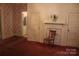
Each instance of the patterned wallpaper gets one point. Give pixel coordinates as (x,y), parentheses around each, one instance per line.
(7,29)
(11,19)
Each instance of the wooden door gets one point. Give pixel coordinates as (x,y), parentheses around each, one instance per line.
(73,33)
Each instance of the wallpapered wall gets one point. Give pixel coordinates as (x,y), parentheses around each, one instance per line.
(11,19)
(6,15)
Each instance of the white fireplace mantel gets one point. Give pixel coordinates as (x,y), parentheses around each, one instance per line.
(54,23)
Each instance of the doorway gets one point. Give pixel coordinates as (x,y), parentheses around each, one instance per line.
(24,23)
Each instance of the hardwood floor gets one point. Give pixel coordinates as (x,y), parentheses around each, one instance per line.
(19,46)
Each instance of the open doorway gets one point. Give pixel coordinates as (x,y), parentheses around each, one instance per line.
(24,23)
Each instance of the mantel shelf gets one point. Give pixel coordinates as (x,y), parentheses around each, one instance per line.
(56,23)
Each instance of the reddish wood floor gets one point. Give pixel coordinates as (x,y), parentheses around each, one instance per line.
(19,46)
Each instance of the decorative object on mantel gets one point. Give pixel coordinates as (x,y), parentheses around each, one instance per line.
(54,21)
(54,17)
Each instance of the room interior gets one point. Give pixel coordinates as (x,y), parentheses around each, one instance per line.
(39,29)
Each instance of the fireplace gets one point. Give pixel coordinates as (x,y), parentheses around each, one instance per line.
(54,32)
(53,36)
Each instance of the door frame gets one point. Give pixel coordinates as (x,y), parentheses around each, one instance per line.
(1,11)
(22,23)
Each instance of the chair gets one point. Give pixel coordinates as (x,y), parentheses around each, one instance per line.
(51,37)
